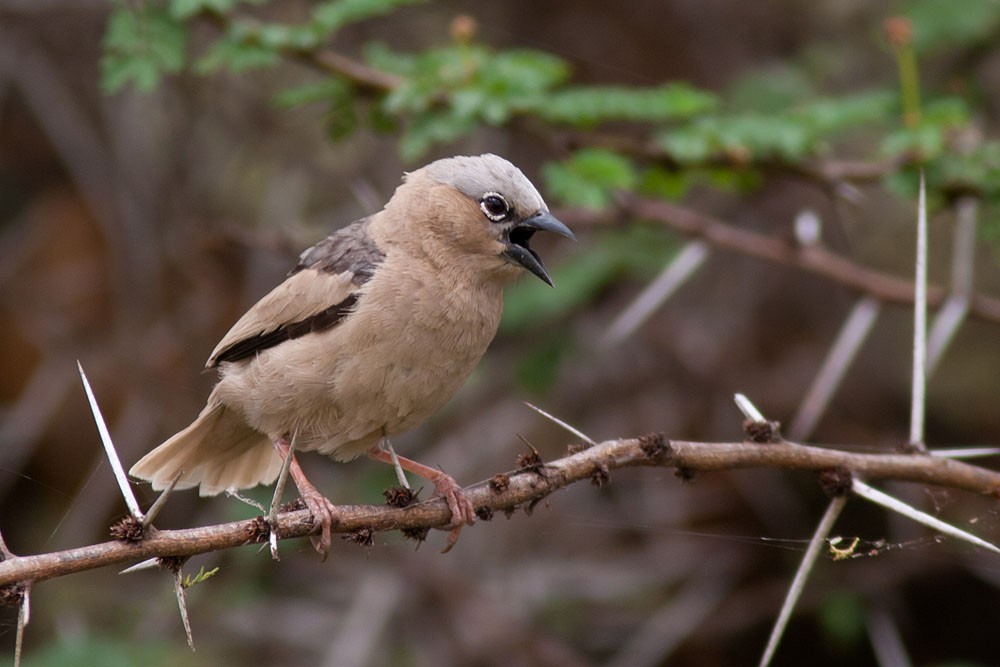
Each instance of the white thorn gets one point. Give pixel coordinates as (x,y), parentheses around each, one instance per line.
(833,511)
(748,409)
(683,265)
(919,382)
(808,227)
(898,506)
(147,564)
(555,420)
(182,605)
(109,448)
(965,452)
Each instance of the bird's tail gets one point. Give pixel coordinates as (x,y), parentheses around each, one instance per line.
(218,451)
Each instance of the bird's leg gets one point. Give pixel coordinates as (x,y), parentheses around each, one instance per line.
(321,508)
(385,445)
(445,486)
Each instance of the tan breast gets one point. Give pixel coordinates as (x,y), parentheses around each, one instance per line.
(408,347)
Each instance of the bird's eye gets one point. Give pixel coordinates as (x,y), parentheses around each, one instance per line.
(494,206)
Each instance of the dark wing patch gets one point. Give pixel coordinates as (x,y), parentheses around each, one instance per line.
(348,249)
(318,322)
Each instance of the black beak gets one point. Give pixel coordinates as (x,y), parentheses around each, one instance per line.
(520,234)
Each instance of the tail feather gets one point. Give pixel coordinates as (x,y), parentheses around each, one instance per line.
(217,451)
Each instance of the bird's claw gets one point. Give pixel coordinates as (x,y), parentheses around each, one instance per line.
(462,511)
(322,511)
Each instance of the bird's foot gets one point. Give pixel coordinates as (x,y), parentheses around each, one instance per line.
(445,486)
(323,512)
(462,511)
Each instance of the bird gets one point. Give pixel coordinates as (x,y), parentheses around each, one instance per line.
(373,331)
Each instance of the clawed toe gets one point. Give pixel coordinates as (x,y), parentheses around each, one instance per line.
(322,512)
(462,511)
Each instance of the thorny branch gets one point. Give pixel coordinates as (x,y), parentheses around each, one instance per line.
(522,488)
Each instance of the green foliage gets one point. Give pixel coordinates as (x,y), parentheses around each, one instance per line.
(794,133)
(88,650)
(939,24)
(140,45)
(538,368)
(635,252)
(201,577)
(532,307)
(680,135)
(590,178)
(842,618)
(447,92)
(185,9)
(589,105)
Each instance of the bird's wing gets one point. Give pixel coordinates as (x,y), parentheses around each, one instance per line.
(320,291)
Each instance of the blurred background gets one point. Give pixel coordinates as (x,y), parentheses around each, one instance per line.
(137,225)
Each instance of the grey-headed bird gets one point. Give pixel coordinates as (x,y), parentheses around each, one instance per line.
(375,328)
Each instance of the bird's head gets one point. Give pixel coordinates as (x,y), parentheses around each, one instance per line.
(479,211)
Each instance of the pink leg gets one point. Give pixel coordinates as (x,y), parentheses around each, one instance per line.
(445,486)
(321,508)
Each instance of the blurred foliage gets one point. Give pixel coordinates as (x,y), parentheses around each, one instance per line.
(842,618)
(107,652)
(670,136)
(938,26)
(447,92)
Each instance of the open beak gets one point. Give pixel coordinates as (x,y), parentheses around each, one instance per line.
(519,235)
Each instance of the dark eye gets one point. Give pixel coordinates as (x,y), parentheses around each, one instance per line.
(494,206)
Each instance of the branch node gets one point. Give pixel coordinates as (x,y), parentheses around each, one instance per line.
(259,530)
(400,496)
(362,536)
(530,462)
(836,482)
(685,474)
(418,534)
(11,595)
(172,563)
(910,448)
(128,529)
(484,513)
(655,447)
(761,432)
(499,483)
(292,506)
(601,475)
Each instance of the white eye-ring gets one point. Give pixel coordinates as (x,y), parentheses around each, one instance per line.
(494,206)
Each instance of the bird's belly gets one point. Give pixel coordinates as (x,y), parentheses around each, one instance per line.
(341,404)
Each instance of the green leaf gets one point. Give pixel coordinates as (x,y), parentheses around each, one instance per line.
(327,90)
(335,14)
(430,129)
(185,9)
(690,144)
(771,89)
(827,116)
(589,178)
(239,50)
(938,24)
(657,182)
(140,45)
(589,105)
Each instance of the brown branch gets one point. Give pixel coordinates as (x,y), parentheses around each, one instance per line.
(523,488)
(813,259)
